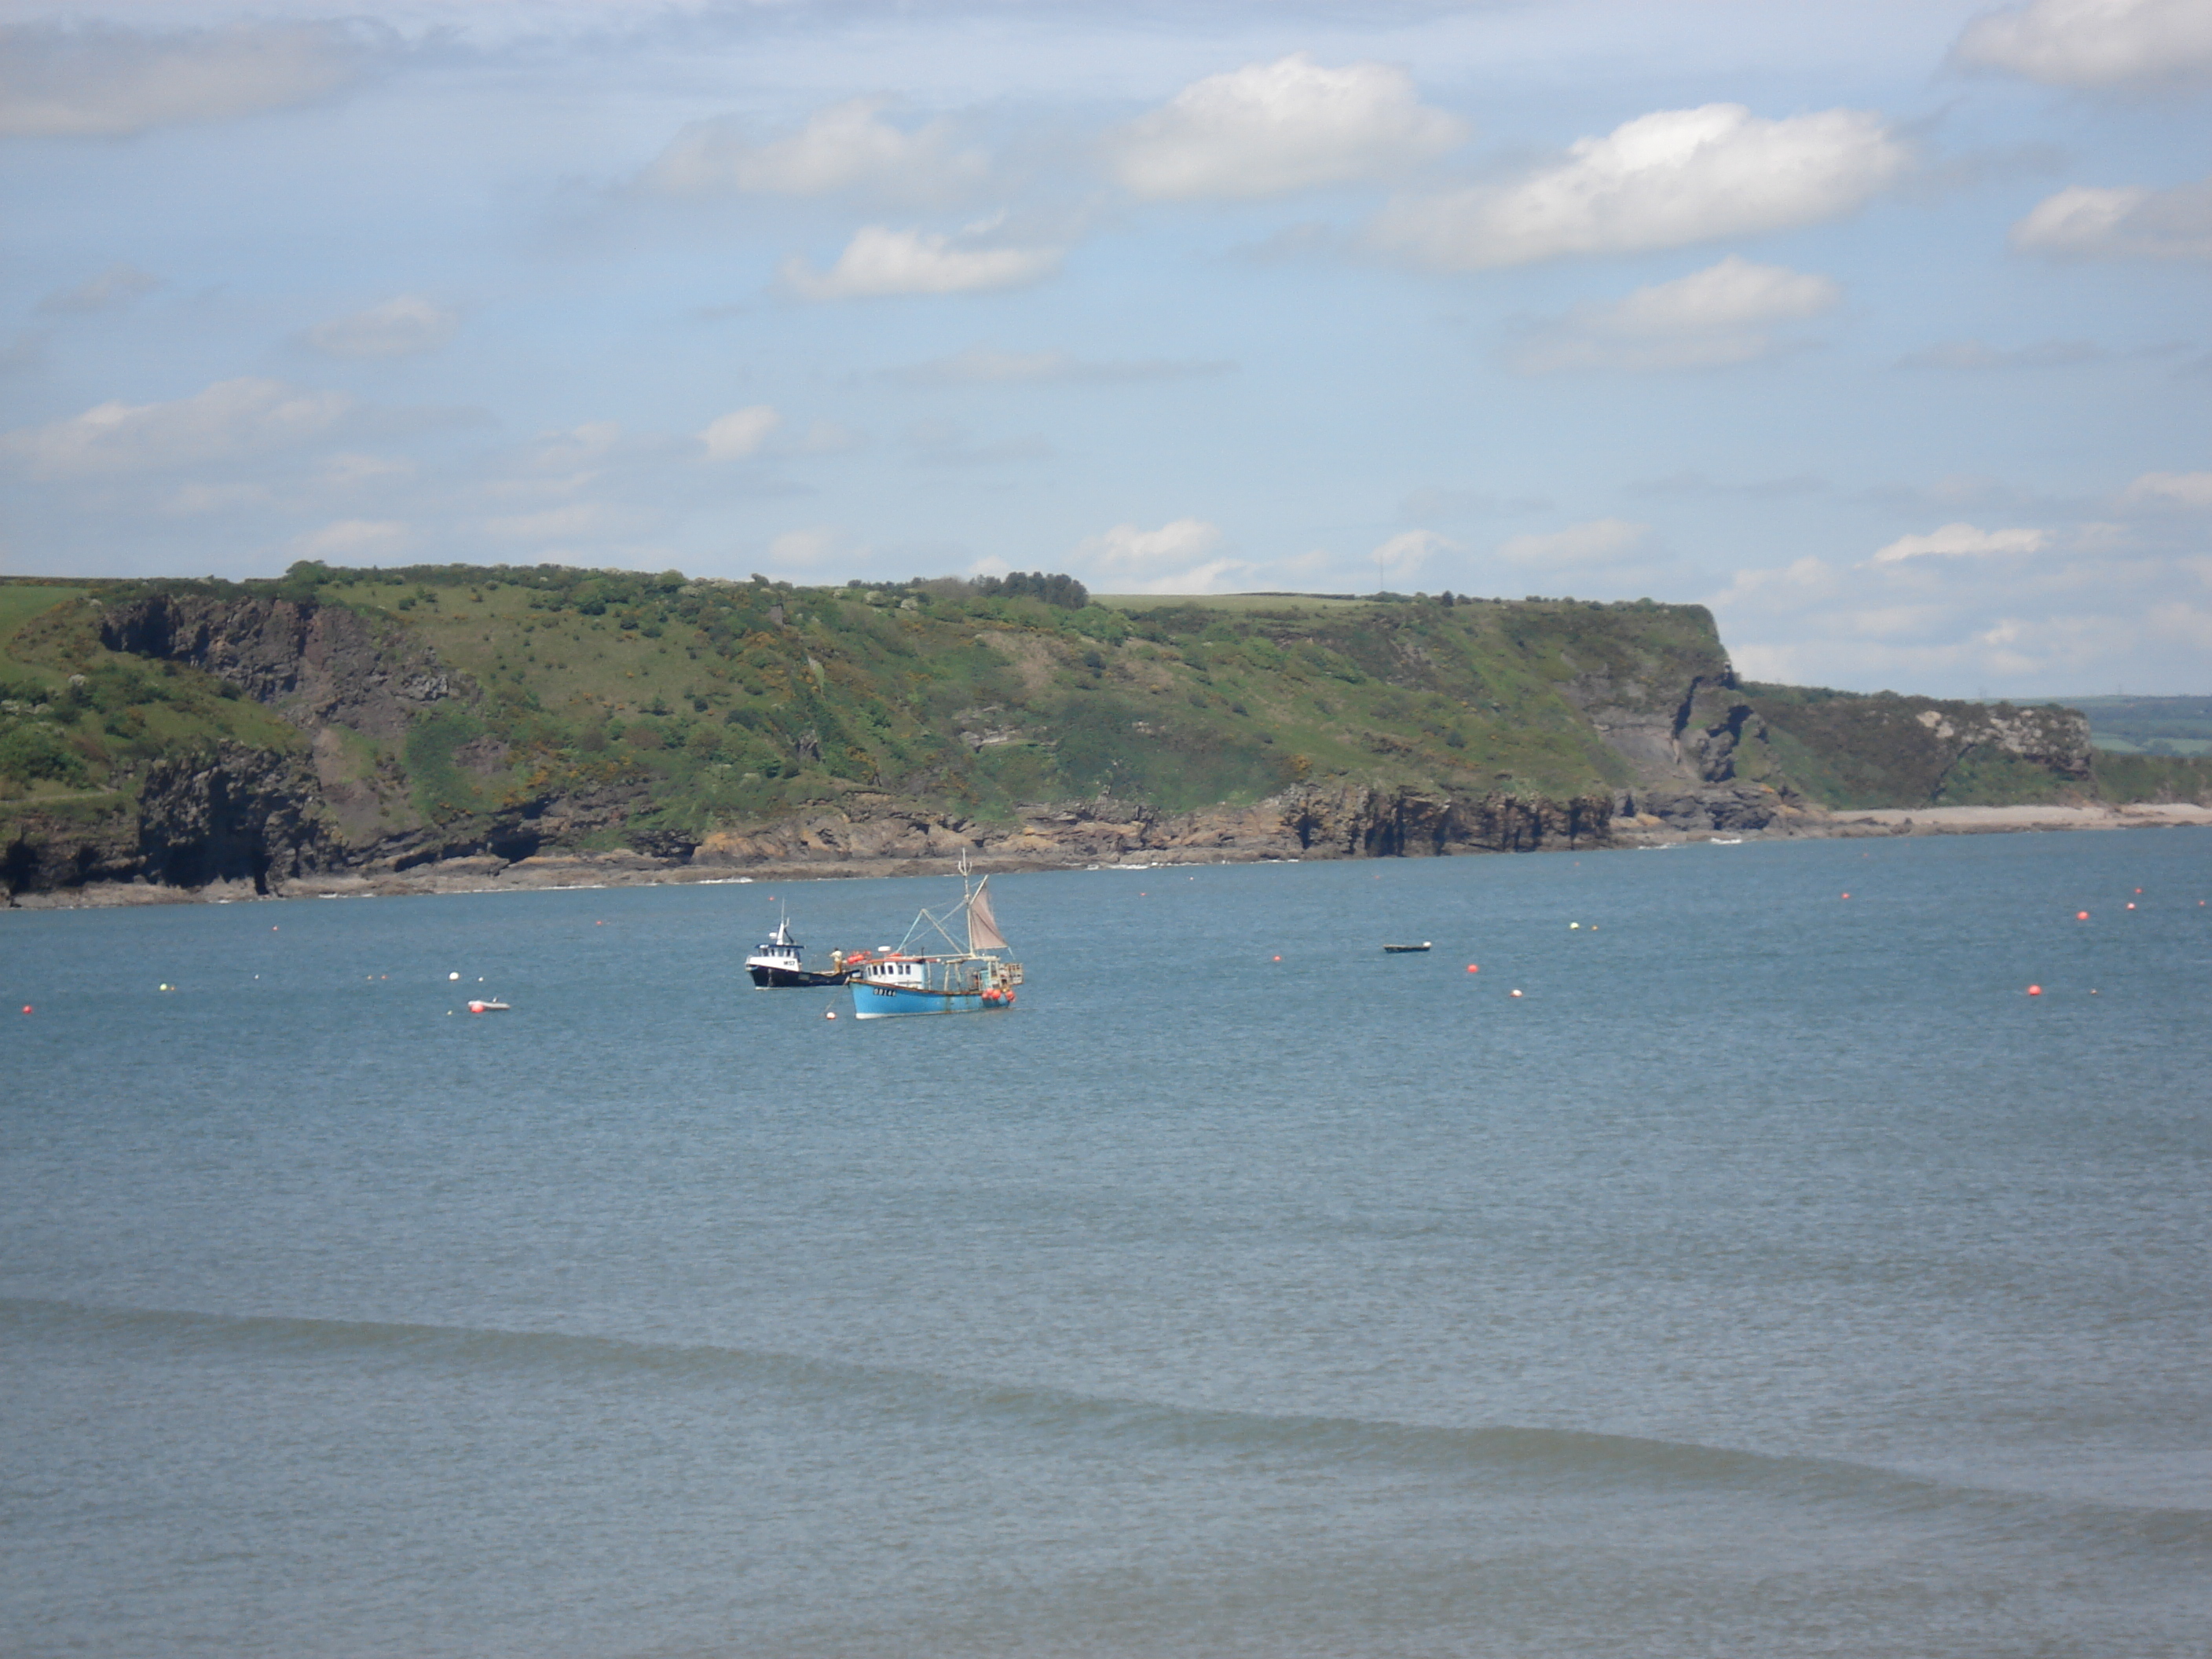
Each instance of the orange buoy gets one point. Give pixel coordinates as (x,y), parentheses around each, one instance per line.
(1847,896)
(1279,958)
(26,1007)
(1472,968)
(2081,916)
(2035,990)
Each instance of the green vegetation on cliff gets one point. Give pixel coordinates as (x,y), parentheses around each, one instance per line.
(740,699)
(1848,750)
(412,714)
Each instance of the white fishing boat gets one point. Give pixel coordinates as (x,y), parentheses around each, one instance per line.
(783,962)
(967,977)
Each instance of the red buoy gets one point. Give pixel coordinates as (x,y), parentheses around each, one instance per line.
(26,1007)
(2035,990)
(1472,968)
(2081,916)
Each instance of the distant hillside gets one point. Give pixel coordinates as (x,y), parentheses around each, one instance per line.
(2148,725)
(1847,750)
(341,720)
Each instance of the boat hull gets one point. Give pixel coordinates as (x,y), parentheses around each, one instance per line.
(766,978)
(897,1001)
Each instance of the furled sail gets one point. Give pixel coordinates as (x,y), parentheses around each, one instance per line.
(983,933)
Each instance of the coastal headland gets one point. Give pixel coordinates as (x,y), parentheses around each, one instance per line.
(460,728)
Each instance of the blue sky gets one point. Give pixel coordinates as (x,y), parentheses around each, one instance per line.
(1880,329)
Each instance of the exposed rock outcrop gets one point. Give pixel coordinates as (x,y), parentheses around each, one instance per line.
(1352,822)
(53,849)
(1684,743)
(1349,821)
(238,814)
(316,665)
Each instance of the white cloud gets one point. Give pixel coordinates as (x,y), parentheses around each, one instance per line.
(847,147)
(230,418)
(1400,559)
(97,81)
(406,326)
(1962,540)
(1580,546)
(116,286)
(1182,556)
(2052,625)
(880,261)
(2127,221)
(1667,180)
(2169,489)
(740,433)
(351,539)
(1269,129)
(1714,317)
(2092,43)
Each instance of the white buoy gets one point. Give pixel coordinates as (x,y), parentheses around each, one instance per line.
(453,976)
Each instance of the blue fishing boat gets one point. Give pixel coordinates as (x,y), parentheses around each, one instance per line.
(967,977)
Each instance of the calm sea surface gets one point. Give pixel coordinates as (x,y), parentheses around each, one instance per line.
(1773,1278)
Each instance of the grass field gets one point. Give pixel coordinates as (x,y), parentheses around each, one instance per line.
(1280,605)
(19,601)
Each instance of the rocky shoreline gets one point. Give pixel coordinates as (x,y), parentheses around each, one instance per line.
(835,847)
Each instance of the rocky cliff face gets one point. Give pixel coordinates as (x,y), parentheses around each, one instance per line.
(1344,821)
(316,665)
(238,814)
(1698,749)
(1355,821)
(45,849)
(228,814)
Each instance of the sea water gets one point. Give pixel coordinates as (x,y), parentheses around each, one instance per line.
(1773,1276)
